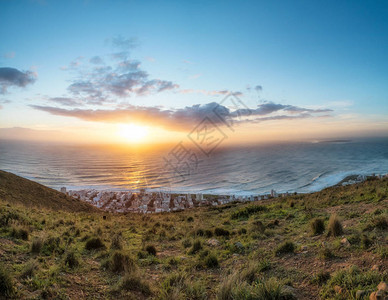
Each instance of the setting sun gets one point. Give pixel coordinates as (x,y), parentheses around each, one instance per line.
(132,133)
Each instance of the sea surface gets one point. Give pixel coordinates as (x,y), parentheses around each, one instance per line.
(300,167)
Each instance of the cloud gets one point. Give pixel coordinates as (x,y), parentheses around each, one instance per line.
(9,55)
(96,60)
(11,77)
(65,101)
(73,64)
(208,93)
(124,43)
(258,88)
(185,118)
(102,84)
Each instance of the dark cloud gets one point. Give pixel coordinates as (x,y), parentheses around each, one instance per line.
(258,88)
(184,118)
(11,77)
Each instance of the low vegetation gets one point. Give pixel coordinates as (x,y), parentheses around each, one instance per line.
(329,245)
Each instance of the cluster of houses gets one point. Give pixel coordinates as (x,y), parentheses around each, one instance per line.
(155,202)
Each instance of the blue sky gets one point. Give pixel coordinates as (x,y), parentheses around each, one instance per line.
(310,54)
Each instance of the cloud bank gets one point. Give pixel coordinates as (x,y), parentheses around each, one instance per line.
(11,77)
(186,118)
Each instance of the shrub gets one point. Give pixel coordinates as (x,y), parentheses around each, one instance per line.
(151,250)
(51,245)
(7,289)
(211,261)
(19,233)
(174,285)
(232,289)
(317,226)
(71,260)
(186,243)
(366,242)
(196,247)
(221,232)
(36,245)
(200,232)
(326,253)
(335,227)
(120,262)
(29,269)
(380,222)
(133,282)
(351,280)
(246,212)
(286,247)
(190,219)
(242,231)
(142,255)
(208,233)
(264,265)
(116,242)
(94,244)
(321,278)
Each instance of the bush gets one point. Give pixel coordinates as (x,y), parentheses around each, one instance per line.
(19,233)
(186,243)
(366,242)
(221,232)
(286,247)
(200,232)
(321,278)
(94,244)
(379,223)
(133,282)
(71,260)
(7,289)
(36,245)
(190,219)
(211,261)
(29,269)
(242,231)
(208,233)
(151,250)
(351,280)
(317,226)
(326,253)
(232,288)
(116,242)
(196,247)
(51,245)
(246,212)
(335,227)
(120,262)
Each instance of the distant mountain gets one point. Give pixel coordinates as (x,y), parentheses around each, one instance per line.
(18,190)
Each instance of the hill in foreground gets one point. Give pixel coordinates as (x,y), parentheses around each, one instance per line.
(331,244)
(18,190)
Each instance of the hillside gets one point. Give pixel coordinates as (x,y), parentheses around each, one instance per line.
(18,190)
(331,244)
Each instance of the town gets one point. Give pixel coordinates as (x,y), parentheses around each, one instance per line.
(156,202)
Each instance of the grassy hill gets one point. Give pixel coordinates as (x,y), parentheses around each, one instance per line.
(18,190)
(331,244)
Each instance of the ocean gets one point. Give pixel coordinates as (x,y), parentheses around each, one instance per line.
(245,170)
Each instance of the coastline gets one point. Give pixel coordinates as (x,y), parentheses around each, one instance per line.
(149,201)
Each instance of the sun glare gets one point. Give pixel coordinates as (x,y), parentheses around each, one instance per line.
(132,133)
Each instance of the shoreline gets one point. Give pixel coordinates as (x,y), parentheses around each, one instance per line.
(148,201)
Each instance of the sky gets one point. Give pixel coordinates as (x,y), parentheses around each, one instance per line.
(141,72)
